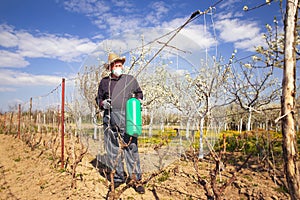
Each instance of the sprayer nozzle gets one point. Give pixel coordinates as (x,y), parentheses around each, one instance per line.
(197,12)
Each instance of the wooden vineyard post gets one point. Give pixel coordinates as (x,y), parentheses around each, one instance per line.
(19,122)
(288,102)
(30,111)
(4,123)
(62,121)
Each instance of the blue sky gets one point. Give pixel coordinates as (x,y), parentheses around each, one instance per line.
(42,41)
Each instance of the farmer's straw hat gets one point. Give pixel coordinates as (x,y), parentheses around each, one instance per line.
(112,57)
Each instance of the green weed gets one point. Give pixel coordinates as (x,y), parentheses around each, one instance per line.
(165,175)
(17,159)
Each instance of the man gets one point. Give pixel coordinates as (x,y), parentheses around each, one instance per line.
(113,93)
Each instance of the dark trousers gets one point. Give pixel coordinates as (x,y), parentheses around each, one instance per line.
(122,147)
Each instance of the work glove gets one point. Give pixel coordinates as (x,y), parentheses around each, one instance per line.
(106,104)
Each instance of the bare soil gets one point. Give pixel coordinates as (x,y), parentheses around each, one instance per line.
(31,174)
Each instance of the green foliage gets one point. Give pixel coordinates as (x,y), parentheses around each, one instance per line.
(158,136)
(62,170)
(152,140)
(248,177)
(50,158)
(17,159)
(254,141)
(164,176)
(282,189)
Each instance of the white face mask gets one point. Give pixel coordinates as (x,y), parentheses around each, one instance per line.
(117,71)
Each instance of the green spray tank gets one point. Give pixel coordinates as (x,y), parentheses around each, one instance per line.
(133,117)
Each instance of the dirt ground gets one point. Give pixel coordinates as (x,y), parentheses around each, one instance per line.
(27,174)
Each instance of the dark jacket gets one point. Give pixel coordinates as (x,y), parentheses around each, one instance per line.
(119,90)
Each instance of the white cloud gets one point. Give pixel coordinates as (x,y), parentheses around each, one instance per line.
(88,7)
(11,59)
(7,89)
(51,46)
(195,36)
(24,45)
(244,34)
(116,16)
(7,37)
(229,4)
(122,4)
(15,78)
(250,44)
(117,24)
(159,9)
(106,15)
(234,30)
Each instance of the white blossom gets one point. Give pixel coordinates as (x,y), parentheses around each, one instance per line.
(248,65)
(254,58)
(269,27)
